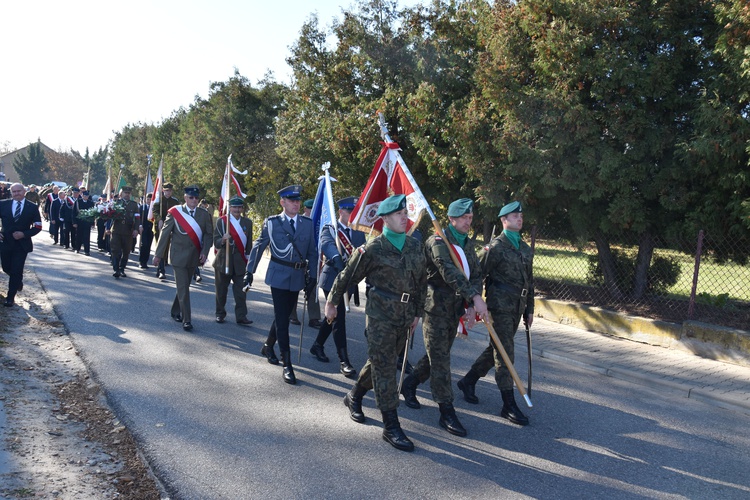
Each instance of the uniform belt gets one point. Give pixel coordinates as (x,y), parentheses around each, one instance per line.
(295,265)
(445,289)
(404,297)
(523,292)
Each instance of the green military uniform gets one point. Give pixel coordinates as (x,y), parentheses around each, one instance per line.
(237,265)
(121,234)
(161,208)
(397,295)
(509,293)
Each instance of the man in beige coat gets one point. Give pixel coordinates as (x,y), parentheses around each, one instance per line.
(188,230)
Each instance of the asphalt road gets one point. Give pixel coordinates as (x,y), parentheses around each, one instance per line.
(215,420)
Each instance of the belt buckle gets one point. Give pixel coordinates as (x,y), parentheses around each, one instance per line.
(298,265)
(524,292)
(405,297)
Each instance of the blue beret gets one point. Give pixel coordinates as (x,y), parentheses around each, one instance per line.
(392,204)
(510,208)
(291,192)
(460,207)
(236,201)
(347,203)
(308,203)
(192,191)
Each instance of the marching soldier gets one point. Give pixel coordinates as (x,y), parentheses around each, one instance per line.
(83,227)
(190,229)
(451,292)
(238,232)
(337,252)
(394,264)
(509,283)
(122,231)
(292,241)
(147,234)
(161,208)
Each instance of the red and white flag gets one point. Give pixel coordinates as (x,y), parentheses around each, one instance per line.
(230,184)
(156,193)
(390,176)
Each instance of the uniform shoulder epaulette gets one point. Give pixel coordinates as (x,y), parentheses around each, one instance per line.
(305,217)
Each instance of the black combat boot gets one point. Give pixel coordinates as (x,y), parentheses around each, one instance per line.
(409,391)
(449,420)
(317,351)
(286,360)
(347,370)
(270,355)
(467,384)
(392,432)
(353,401)
(510,410)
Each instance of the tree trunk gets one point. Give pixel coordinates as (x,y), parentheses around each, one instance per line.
(645,253)
(608,266)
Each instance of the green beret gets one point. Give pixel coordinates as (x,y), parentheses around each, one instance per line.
(124,189)
(308,203)
(236,201)
(392,204)
(460,207)
(510,208)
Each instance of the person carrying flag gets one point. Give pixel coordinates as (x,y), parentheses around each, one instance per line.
(187,233)
(452,293)
(237,231)
(395,265)
(337,251)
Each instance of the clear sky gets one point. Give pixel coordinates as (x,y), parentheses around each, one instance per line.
(75,71)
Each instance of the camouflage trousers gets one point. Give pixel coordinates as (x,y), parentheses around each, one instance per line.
(385,340)
(439,334)
(506,326)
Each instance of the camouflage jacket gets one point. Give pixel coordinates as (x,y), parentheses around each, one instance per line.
(398,279)
(509,279)
(449,288)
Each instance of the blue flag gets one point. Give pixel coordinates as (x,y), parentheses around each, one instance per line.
(322,215)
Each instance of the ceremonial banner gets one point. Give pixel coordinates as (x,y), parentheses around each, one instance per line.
(156,193)
(322,213)
(230,181)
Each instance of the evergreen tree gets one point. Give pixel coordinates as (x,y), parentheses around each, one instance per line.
(32,168)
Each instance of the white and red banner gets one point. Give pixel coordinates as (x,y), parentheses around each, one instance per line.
(230,184)
(390,176)
(156,193)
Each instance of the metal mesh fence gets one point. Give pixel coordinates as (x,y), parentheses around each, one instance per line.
(676,287)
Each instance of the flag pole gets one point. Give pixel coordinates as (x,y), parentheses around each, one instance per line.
(456,261)
(225,209)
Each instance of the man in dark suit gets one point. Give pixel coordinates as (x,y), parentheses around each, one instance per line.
(66,221)
(147,234)
(54,216)
(190,230)
(20,222)
(337,244)
(82,226)
(293,255)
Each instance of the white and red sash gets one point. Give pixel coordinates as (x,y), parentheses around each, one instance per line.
(346,243)
(461,330)
(238,235)
(188,225)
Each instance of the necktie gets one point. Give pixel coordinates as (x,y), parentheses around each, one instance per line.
(291,223)
(17,213)
(192,213)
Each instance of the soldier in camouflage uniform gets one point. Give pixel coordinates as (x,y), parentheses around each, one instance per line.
(450,295)
(122,231)
(394,264)
(507,265)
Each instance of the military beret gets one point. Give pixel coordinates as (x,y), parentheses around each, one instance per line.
(308,203)
(290,192)
(392,204)
(192,191)
(168,185)
(347,203)
(460,207)
(236,201)
(124,189)
(510,208)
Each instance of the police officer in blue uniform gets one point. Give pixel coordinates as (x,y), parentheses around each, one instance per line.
(336,252)
(293,256)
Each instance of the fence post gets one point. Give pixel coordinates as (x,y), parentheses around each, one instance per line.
(533,238)
(698,251)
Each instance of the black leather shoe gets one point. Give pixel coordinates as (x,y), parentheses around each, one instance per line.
(315,323)
(8,303)
(347,370)
(286,359)
(144,267)
(177,318)
(219,319)
(267,351)
(122,273)
(409,391)
(317,351)
(116,274)
(393,434)
(510,410)
(449,420)
(187,326)
(353,401)
(246,322)
(293,321)
(467,387)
